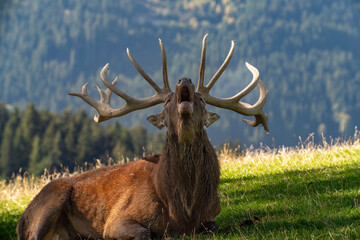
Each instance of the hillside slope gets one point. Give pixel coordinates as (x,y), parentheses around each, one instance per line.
(307,54)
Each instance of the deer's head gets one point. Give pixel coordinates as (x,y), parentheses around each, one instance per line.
(184,110)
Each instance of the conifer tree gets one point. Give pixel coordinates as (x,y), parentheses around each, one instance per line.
(69,143)
(4,116)
(7,153)
(35,156)
(47,145)
(126,142)
(30,125)
(56,150)
(83,147)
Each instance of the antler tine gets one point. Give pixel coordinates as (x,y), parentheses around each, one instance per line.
(101,106)
(84,96)
(142,72)
(201,87)
(164,64)
(254,82)
(222,68)
(111,86)
(202,65)
(105,96)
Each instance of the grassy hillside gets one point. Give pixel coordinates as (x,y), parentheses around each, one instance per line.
(308,192)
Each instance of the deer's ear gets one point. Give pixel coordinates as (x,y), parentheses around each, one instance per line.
(157,120)
(211,118)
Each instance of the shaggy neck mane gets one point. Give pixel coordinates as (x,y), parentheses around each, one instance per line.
(186,177)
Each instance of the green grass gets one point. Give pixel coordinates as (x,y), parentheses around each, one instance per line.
(309,192)
(9,215)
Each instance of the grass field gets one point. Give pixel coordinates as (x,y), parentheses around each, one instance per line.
(308,192)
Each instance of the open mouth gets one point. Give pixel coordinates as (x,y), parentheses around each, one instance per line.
(184,95)
(185,100)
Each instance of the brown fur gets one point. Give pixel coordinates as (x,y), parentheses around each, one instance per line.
(167,194)
(190,194)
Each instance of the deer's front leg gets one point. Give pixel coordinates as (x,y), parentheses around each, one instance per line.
(126,229)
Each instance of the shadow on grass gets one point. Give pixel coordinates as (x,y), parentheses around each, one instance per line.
(310,200)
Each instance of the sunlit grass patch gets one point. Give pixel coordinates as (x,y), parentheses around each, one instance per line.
(15,195)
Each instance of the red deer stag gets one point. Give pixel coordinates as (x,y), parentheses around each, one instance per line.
(172,193)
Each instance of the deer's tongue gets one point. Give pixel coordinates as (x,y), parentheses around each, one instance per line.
(185,108)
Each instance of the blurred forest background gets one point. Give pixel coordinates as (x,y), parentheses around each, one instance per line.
(307,52)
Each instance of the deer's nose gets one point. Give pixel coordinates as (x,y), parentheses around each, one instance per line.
(185,90)
(184,81)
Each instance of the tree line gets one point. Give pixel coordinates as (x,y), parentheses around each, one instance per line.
(33,139)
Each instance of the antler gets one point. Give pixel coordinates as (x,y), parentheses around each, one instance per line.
(105,111)
(234,103)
